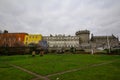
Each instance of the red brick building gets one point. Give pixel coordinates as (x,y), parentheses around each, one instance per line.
(12,39)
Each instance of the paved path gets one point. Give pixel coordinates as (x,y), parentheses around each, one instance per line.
(78,69)
(35,74)
(59,73)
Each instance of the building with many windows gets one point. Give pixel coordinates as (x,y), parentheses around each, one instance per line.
(62,41)
(80,40)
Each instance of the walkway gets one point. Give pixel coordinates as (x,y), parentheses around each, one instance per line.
(59,73)
(30,72)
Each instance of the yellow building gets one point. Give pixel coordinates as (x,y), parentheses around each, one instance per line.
(32,38)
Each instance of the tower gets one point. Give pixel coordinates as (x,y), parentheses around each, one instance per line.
(83,36)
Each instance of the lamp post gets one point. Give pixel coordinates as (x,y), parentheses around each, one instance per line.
(108,44)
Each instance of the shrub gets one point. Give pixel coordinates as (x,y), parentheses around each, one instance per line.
(115,51)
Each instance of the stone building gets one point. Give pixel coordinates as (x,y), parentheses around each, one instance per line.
(104,42)
(84,38)
(81,40)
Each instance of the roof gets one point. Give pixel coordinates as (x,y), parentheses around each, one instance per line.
(82,32)
(15,33)
(103,37)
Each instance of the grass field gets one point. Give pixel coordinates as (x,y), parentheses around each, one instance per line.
(57,63)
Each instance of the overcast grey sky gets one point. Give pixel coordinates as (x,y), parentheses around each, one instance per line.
(101,17)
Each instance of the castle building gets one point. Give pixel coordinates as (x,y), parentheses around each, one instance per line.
(32,38)
(84,38)
(104,41)
(80,40)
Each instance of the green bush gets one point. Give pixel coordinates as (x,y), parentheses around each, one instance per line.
(14,50)
(112,51)
(115,51)
(72,50)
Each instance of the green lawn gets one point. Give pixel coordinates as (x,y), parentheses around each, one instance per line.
(53,63)
(9,73)
(103,72)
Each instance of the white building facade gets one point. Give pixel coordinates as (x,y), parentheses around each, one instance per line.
(62,41)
